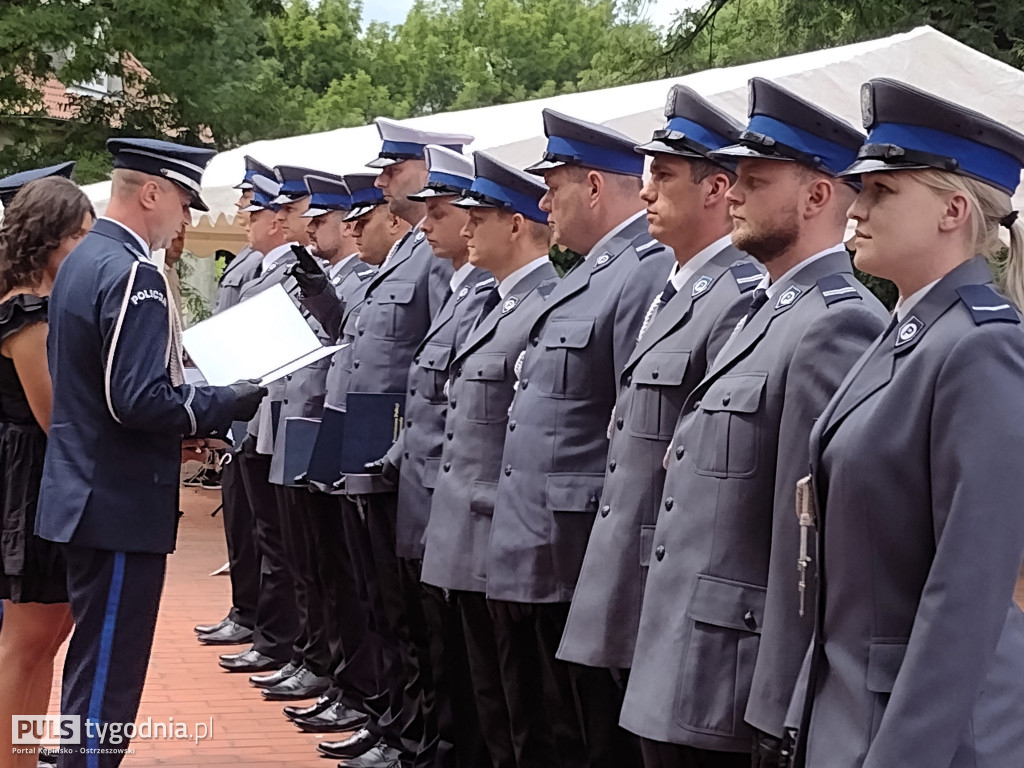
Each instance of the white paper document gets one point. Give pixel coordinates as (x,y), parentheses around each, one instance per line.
(263,338)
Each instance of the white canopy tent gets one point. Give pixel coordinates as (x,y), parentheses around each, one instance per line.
(514,132)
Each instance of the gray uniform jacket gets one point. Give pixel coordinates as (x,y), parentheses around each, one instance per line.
(720,636)
(417,452)
(459,530)
(670,360)
(919,656)
(304,391)
(387,319)
(241,270)
(556,444)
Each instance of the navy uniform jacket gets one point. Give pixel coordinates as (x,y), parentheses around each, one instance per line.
(302,393)
(556,445)
(389,316)
(240,271)
(670,359)
(482,383)
(417,453)
(920,647)
(110,480)
(721,639)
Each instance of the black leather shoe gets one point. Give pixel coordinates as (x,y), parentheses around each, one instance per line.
(230,634)
(337,718)
(206,629)
(381,756)
(292,712)
(235,655)
(359,743)
(251,661)
(266,681)
(304,684)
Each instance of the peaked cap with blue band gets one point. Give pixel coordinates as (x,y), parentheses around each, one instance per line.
(365,194)
(695,127)
(587,145)
(9,185)
(253,167)
(264,193)
(327,192)
(501,186)
(910,129)
(292,179)
(175,162)
(448,173)
(400,142)
(783,126)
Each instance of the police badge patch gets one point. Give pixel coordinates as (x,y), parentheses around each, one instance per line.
(788,297)
(463,293)
(908,330)
(702,284)
(509,305)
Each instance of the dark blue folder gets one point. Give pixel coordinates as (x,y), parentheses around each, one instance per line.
(325,459)
(299,438)
(372,425)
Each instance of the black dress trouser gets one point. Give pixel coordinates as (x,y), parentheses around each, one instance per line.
(239,528)
(562,714)
(277,622)
(658,754)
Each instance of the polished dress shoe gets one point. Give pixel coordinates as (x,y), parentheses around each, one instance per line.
(381,756)
(359,743)
(266,681)
(304,684)
(230,634)
(318,706)
(205,629)
(250,661)
(337,718)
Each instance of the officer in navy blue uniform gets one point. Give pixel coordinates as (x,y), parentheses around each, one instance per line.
(9,185)
(109,491)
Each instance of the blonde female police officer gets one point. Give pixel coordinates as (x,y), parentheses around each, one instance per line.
(918,657)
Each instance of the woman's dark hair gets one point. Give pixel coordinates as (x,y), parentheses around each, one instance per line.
(43,213)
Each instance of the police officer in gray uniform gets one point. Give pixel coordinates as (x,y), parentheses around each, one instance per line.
(721,637)
(451,735)
(244,571)
(556,445)
(302,396)
(683,331)
(918,653)
(276,619)
(508,235)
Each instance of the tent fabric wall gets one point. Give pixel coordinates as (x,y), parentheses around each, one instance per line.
(514,132)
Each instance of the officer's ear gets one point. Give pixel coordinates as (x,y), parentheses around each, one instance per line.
(820,193)
(149,193)
(595,185)
(956,212)
(518,228)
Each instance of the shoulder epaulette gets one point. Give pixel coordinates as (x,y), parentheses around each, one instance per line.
(836,288)
(648,248)
(484,285)
(987,306)
(362,274)
(746,275)
(547,286)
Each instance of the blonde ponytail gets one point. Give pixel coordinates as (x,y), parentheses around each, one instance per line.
(990,207)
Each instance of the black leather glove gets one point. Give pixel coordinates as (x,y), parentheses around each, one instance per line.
(248,395)
(307,273)
(768,752)
(388,472)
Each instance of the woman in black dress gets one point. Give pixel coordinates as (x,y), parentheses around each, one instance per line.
(44,221)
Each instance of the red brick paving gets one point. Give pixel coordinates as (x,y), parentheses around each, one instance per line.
(184,681)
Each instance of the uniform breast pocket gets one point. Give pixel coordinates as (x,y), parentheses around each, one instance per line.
(393,320)
(726,430)
(885,657)
(487,391)
(563,368)
(657,394)
(433,362)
